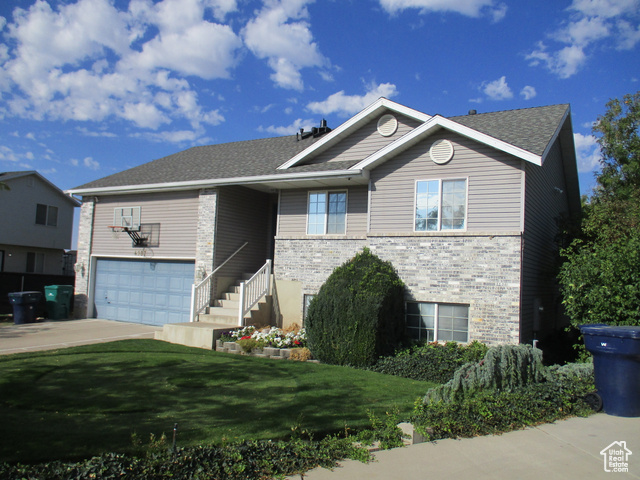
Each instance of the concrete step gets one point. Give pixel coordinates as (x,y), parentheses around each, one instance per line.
(193,334)
(229,304)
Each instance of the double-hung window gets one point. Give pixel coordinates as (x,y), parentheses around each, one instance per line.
(441,205)
(438,322)
(327,213)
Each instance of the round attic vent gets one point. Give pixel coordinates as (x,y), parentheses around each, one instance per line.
(441,151)
(387,125)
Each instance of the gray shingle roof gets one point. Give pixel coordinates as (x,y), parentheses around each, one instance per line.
(210,162)
(530,129)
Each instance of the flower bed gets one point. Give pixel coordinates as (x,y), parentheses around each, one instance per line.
(267,337)
(269,342)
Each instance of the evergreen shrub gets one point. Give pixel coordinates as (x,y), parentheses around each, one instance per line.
(358,314)
(503,368)
(431,362)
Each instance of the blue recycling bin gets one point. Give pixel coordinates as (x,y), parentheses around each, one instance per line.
(616,365)
(24,306)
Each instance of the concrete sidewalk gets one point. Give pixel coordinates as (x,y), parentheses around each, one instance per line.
(568,449)
(49,335)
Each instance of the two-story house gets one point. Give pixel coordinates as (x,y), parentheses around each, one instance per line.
(464,207)
(37,225)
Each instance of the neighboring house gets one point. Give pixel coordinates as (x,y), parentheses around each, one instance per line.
(37,220)
(465,208)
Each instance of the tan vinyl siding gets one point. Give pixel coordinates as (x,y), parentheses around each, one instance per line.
(546,201)
(293,211)
(175,212)
(494,185)
(365,141)
(243,216)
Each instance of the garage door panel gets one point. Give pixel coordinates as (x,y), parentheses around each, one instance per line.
(152,292)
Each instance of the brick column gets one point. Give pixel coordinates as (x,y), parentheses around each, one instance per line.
(83,261)
(205,242)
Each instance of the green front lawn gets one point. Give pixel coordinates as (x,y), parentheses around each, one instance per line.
(85,400)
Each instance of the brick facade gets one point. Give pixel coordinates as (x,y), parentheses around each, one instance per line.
(482,271)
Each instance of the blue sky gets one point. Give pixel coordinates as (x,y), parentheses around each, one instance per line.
(92,87)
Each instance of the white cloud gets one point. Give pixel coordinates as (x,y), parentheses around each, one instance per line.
(591,25)
(565,62)
(470,8)
(497,89)
(528,92)
(91,163)
(347,105)
(289,129)
(605,8)
(280,34)
(587,151)
(89,60)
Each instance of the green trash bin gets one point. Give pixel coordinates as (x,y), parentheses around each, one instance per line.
(58,299)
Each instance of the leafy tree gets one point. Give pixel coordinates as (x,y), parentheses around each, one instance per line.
(600,280)
(358,314)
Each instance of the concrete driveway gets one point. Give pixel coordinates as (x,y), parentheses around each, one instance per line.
(50,335)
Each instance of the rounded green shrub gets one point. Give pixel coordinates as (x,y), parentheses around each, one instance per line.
(358,314)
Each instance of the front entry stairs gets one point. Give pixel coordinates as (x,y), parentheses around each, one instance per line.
(215,320)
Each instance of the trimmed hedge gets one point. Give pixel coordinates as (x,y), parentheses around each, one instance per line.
(241,461)
(358,314)
(431,362)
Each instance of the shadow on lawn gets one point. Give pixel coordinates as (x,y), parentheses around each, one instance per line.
(78,404)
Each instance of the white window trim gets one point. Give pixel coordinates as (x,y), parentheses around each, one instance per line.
(326,216)
(440,180)
(436,318)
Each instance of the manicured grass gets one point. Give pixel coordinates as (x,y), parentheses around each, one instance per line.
(85,400)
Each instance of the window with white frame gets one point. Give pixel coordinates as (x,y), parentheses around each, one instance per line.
(438,322)
(441,205)
(327,213)
(46,215)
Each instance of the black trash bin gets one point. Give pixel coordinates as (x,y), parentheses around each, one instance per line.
(616,365)
(24,306)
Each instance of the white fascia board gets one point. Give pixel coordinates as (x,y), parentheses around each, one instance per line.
(352,124)
(433,124)
(197,184)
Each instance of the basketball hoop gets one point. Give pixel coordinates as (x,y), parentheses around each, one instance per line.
(137,240)
(116,230)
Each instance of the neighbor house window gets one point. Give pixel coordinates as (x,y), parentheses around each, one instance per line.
(438,322)
(327,213)
(46,215)
(35,262)
(441,205)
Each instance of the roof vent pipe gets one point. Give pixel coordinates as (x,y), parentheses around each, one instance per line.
(472,112)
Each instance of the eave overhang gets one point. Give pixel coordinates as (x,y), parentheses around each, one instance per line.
(263,182)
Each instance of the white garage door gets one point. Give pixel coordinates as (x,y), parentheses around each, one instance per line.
(143,291)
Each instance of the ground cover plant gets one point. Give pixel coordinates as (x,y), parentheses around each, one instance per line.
(78,402)
(509,388)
